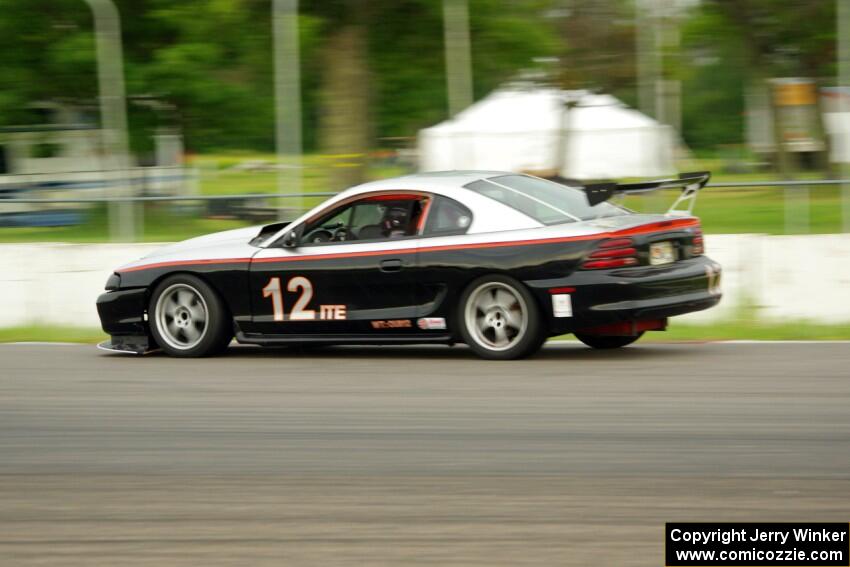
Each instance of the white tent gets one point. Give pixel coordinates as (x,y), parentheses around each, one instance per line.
(534,130)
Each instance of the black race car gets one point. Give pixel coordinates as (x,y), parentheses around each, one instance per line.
(499,261)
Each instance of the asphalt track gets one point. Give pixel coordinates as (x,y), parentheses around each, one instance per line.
(411,456)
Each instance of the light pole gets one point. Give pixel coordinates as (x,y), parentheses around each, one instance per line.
(113,113)
(287,73)
(458,54)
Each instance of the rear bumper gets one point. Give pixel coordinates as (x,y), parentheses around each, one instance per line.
(632,294)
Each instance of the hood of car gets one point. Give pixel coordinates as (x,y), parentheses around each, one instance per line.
(226,244)
(214,240)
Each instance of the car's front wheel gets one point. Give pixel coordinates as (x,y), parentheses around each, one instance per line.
(499,319)
(607,341)
(187,318)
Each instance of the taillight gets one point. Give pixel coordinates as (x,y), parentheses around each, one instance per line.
(614,253)
(603,264)
(697,244)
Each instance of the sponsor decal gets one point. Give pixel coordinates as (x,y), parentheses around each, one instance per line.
(431,323)
(332,312)
(562,305)
(392,324)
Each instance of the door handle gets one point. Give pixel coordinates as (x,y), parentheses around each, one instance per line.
(393,265)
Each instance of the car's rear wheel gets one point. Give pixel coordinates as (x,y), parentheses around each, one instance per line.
(607,342)
(499,319)
(188,319)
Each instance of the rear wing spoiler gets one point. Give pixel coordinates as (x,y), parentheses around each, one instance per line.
(690,184)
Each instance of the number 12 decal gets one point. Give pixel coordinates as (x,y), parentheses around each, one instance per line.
(273,290)
(299,312)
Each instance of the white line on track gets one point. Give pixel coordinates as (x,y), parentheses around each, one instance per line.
(558,342)
(781,342)
(718,342)
(45,343)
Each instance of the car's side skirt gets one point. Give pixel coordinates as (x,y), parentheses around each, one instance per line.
(339,339)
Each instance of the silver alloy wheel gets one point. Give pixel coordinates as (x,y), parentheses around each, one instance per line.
(181,316)
(496,316)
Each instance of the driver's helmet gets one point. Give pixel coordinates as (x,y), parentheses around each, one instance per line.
(395,221)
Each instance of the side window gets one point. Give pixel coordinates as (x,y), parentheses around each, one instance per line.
(378,217)
(447,217)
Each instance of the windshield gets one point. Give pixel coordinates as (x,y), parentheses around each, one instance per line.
(544,201)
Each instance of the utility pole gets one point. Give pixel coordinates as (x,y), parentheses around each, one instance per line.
(648,62)
(668,90)
(458,54)
(842,8)
(113,114)
(657,23)
(287,73)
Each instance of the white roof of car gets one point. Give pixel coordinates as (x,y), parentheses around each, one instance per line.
(429,181)
(488,215)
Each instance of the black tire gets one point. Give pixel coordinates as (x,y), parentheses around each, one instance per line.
(529,335)
(213,335)
(607,342)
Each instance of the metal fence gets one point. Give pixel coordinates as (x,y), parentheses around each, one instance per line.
(798,196)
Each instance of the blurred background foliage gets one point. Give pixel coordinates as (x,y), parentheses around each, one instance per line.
(729,44)
(205,65)
(208,62)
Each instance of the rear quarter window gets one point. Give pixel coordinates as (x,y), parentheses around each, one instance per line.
(544,201)
(447,217)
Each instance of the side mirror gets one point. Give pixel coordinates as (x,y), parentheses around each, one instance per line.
(291,238)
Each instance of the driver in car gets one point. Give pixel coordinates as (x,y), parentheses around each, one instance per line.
(396,222)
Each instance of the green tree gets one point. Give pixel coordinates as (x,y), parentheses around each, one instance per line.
(728,46)
(384,65)
(597,46)
(206,65)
